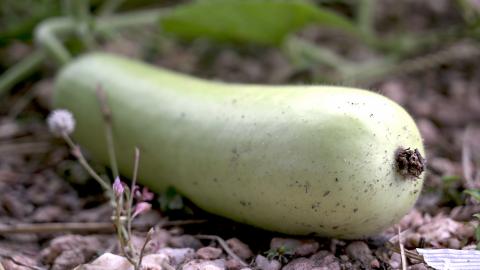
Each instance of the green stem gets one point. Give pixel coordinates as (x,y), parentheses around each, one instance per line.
(50,32)
(107,119)
(21,70)
(109,7)
(365,16)
(306,54)
(377,70)
(83,21)
(81,159)
(132,192)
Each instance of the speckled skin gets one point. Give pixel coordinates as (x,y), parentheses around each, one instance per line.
(293,159)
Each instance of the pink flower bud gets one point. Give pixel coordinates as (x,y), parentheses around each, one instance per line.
(118,188)
(140,208)
(146,194)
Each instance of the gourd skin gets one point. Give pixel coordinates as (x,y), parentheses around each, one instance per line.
(293,159)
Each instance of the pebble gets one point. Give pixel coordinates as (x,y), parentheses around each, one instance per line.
(325,259)
(178,255)
(299,247)
(205,265)
(395,261)
(185,241)
(233,264)
(263,263)
(239,248)
(300,264)
(360,251)
(209,253)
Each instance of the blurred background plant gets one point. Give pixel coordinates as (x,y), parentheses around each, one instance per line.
(305,32)
(423,54)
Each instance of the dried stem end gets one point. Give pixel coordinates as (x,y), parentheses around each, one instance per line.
(410,163)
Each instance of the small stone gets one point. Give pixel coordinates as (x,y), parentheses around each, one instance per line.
(360,251)
(10,265)
(76,247)
(306,247)
(344,258)
(239,248)
(178,255)
(454,243)
(50,213)
(69,259)
(263,263)
(233,264)
(205,265)
(185,241)
(375,263)
(108,261)
(208,253)
(395,261)
(300,264)
(325,259)
(298,247)
(158,240)
(154,261)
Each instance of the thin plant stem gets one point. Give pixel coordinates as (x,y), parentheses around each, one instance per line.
(118,225)
(365,16)
(224,246)
(142,250)
(21,70)
(119,229)
(109,7)
(50,32)
(107,119)
(84,22)
(132,191)
(402,250)
(81,159)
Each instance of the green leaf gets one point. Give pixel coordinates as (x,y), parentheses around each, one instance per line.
(265,22)
(477,233)
(475,193)
(449,179)
(170,200)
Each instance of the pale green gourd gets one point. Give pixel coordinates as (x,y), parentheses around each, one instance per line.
(293,159)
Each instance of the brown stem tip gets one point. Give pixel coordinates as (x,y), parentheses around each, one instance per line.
(410,163)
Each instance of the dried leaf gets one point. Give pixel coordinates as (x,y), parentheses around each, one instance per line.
(451,259)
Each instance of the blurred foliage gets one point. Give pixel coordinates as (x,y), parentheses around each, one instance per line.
(475,193)
(451,189)
(248,21)
(282,254)
(170,200)
(18,18)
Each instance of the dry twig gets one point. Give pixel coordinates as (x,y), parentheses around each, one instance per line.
(402,250)
(224,246)
(15,261)
(80,227)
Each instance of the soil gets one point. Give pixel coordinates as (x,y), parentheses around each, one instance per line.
(41,181)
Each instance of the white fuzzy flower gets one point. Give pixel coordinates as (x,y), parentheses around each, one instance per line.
(61,122)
